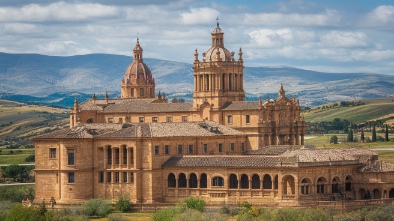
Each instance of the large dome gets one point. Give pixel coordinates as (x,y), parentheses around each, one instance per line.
(211,54)
(217,52)
(138,73)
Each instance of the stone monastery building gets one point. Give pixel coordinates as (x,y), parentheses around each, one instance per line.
(218,147)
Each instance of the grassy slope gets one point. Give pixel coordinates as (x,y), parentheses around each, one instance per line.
(372,110)
(19,122)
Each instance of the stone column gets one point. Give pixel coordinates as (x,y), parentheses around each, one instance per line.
(128,157)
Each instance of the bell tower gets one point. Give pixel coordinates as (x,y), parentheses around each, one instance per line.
(218,78)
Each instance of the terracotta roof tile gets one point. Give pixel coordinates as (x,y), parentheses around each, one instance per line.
(133,106)
(242,105)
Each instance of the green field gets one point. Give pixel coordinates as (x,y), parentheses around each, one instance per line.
(372,110)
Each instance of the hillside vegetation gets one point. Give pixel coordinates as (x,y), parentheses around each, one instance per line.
(19,122)
(362,111)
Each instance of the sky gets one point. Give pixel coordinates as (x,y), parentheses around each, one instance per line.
(325,35)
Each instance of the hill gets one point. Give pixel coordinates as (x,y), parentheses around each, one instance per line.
(361,111)
(19,122)
(57,80)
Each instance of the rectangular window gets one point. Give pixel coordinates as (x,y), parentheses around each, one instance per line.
(166,149)
(101,177)
(190,148)
(248,119)
(157,150)
(131,177)
(116,177)
(124,155)
(109,156)
(132,92)
(70,157)
(117,156)
(180,149)
(169,119)
(232,146)
(220,148)
(154,119)
(110,120)
(124,177)
(243,146)
(229,119)
(184,118)
(71,177)
(109,177)
(205,148)
(141,92)
(52,153)
(142,119)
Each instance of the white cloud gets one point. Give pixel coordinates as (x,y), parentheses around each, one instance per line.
(327,18)
(344,39)
(59,11)
(199,16)
(381,16)
(269,38)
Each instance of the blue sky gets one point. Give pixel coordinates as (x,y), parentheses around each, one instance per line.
(325,35)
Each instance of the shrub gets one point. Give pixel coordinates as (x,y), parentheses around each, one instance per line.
(30,158)
(20,213)
(194,203)
(123,204)
(167,214)
(97,207)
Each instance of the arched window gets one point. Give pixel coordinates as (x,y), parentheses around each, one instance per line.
(182,181)
(193,181)
(255,181)
(244,181)
(320,185)
(171,180)
(305,186)
(233,181)
(391,193)
(276,182)
(267,182)
(335,185)
(218,181)
(348,183)
(288,187)
(203,180)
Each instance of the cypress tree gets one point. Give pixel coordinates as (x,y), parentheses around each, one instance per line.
(386,138)
(362,135)
(350,134)
(373,134)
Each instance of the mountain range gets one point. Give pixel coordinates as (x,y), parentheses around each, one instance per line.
(57,80)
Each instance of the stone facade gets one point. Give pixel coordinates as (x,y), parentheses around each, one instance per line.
(219,147)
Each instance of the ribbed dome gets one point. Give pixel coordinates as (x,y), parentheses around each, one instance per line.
(138,73)
(211,54)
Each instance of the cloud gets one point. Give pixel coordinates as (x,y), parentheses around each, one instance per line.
(199,16)
(59,11)
(345,39)
(269,38)
(382,16)
(327,18)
